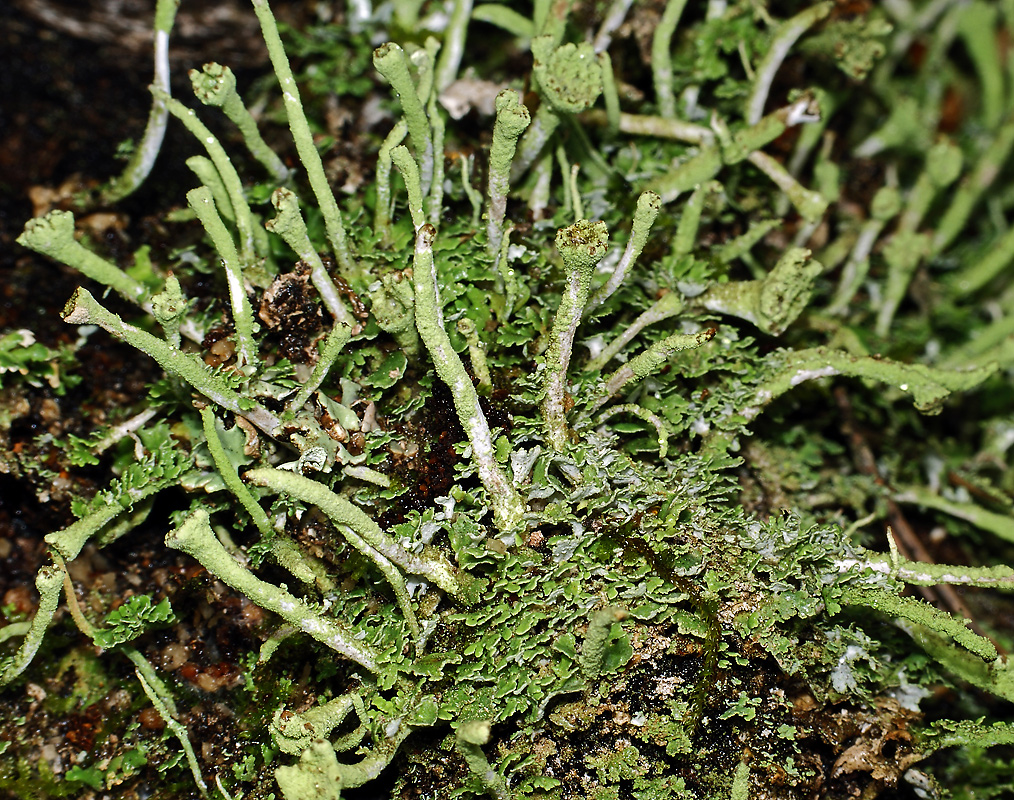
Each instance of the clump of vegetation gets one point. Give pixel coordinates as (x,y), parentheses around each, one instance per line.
(561,471)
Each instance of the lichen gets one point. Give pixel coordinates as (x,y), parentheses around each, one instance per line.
(653,571)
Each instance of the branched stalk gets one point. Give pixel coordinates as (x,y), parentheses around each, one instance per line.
(711,157)
(284,551)
(359,531)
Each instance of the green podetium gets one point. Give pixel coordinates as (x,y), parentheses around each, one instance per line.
(392,303)
(143,158)
(196,538)
(303,139)
(468,739)
(294,732)
(774,303)
(661,58)
(360,529)
(570,81)
(885,206)
(202,203)
(215,85)
(391,62)
(83,309)
(512,118)
(907,248)
(581,246)
(927,385)
(169,307)
(648,206)
(53,235)
(226,171)
(508,507)
(288,223)
(49,583)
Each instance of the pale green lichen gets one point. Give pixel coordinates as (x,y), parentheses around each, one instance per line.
(196,538)
(391,62)
(570,80)
(303,138)
(83,309)
(53,236)
(215,85)
(774,303)
(202,204)
(469,738)
(512,118)
(573,490)
(581,246)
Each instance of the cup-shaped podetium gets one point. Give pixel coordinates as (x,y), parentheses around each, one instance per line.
(581,245)
(569,76)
